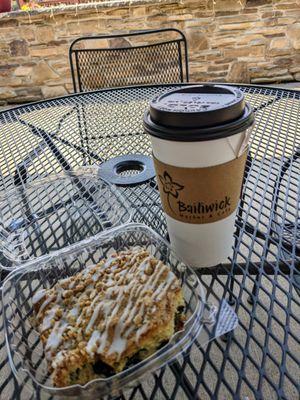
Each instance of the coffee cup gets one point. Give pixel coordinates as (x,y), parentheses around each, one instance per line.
(199,137)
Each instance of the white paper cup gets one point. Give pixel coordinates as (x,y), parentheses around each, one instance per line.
(187,152)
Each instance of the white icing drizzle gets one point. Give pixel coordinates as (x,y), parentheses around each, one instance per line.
(94,317)
(72,284)
(119,343)
(87,270)
(50,314)
(44,305)
(145,263)
(110,282)
(60,291)
(96,275)
(134,306)
(55,336)
(58,359)
(92,343)
(140,332)
(63,281)
(74,312)
(38,296)
(121,302)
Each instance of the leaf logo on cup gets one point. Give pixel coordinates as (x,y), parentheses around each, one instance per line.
(170,187)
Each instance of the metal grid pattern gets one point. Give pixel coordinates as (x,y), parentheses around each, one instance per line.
(132,66)
(261,359)
(94,66)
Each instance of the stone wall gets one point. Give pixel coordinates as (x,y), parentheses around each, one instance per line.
(229,40)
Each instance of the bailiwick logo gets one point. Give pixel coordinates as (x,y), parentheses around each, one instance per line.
(190,205)
(202,208)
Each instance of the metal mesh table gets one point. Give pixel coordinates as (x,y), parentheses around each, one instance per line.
(261,280)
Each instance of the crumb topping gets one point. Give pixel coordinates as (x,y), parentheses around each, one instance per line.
(105,310)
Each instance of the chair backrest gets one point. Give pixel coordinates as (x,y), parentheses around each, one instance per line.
(145,57)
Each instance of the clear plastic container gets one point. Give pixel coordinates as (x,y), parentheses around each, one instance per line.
(25,350)
(51,213)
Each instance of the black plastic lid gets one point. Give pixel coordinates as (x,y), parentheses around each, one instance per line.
(201,112)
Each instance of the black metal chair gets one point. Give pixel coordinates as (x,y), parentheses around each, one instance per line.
(144,57)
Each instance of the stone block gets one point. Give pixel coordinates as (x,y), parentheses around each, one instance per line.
(119,43)
(41,52)
(271,14)
(297,76)
(139,11)
(27,33)
(86,27)
(196,39)
(273,79)
(7,93)
(54,91)
(293,33)
(222,41)
(269,30)
(23,71)
(286,20)
(251,39)
(231,18)
(295,69)
(229,5)
(287,5)
(285,60)
(279,43)
(202,5)
(7,34)
(8,23)
(18,48)
(6,69)
(268,72)
(24,99)
(225,13)
(44,34)
(11,81)
(69,87)
(120,12)
(73,28)
(279,46)
(238,26)
(42,72)
(223,60)
(238,72)
(257,3)
(216,67)
(195,22)
(245,51)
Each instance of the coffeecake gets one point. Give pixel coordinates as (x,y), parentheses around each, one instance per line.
(108,316)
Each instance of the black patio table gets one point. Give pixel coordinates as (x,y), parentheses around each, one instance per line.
(261,359)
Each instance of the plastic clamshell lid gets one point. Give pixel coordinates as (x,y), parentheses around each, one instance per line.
(49,214)
(23,344)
